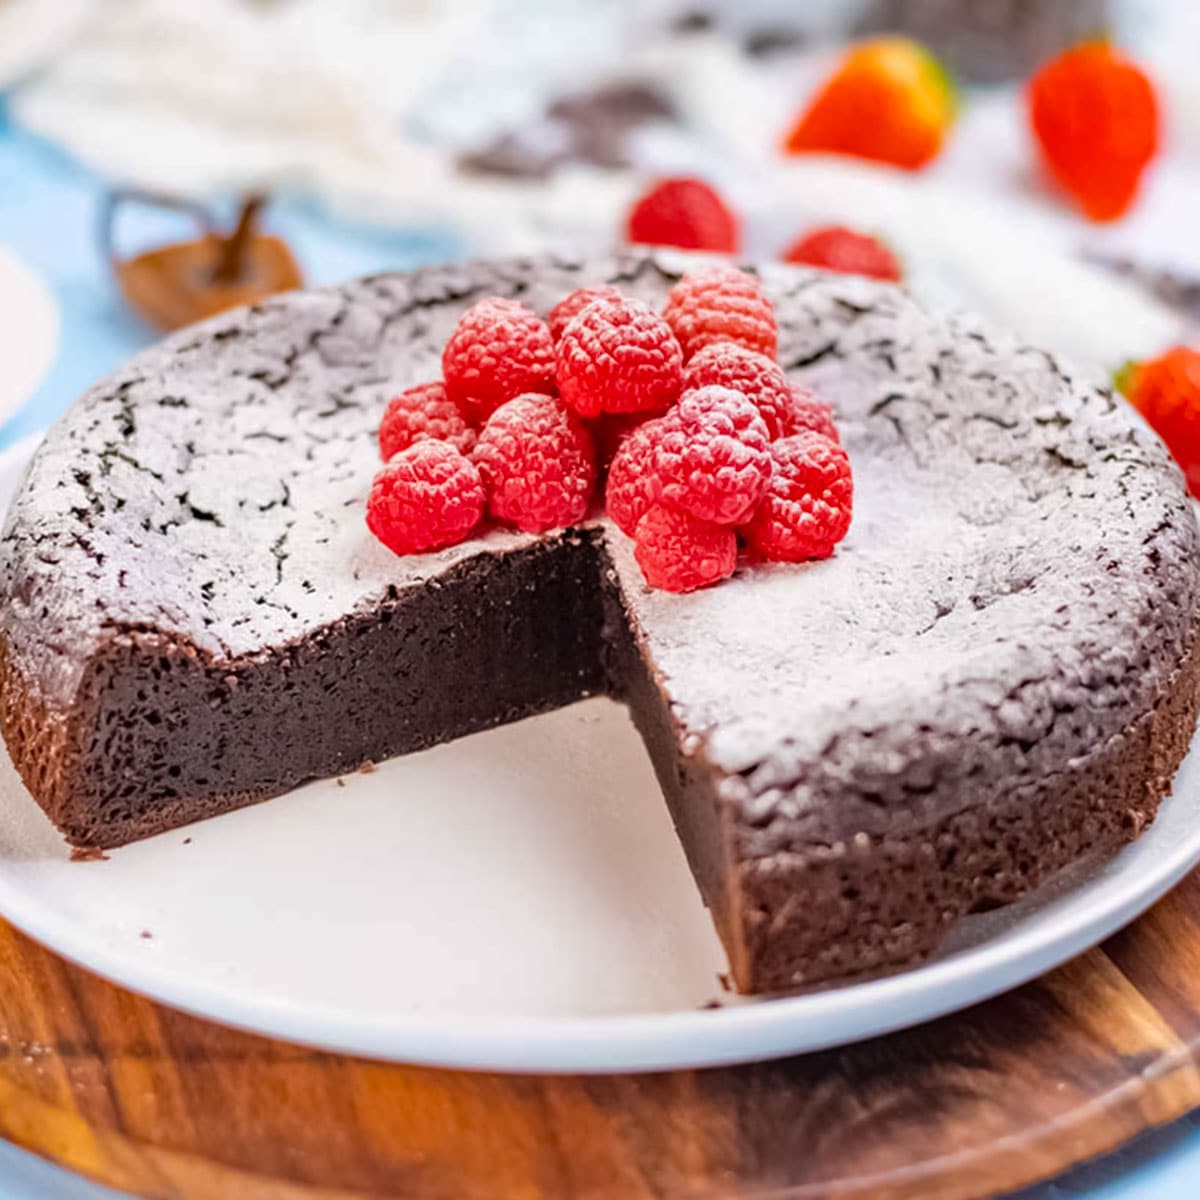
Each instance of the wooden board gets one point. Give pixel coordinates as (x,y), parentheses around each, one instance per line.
(1015,1090)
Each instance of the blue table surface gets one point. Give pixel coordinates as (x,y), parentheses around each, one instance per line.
(48,216)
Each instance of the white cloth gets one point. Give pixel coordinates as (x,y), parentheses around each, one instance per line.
(365,103)
(194,98)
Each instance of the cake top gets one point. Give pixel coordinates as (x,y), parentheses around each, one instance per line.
(1022,547)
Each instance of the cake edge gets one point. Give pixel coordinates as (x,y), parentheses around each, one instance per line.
(877,905)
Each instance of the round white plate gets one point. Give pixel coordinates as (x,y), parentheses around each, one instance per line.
(28,333)
(514,900)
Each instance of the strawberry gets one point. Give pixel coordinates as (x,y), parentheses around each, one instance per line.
(1166,391)
(889,100)
(1095,117)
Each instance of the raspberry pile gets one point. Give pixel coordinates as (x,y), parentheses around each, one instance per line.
(703,446)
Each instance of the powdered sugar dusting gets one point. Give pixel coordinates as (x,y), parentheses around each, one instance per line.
(1019,580)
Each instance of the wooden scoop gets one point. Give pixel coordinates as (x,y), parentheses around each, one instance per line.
(183,282)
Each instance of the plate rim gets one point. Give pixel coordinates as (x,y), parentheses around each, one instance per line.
(36,298)
(627,1042)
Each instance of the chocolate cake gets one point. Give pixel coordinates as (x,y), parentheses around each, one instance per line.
(994,676)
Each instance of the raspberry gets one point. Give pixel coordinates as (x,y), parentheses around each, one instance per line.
(680,554)
(1166,391)
(713,457)
(721,304)
(807,508)
(760,379)
(687,213)
(426,497)
(561,314)
(836,248)
(499,349)
(609,432)
(537,461)
(618,356)
(633,484)
(1095,116)
(806,412)
(420,412)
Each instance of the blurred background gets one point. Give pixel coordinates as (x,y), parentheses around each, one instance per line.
(384,133)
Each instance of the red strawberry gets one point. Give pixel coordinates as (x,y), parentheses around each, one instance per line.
(889,100)
(1166,391)
(1095,116)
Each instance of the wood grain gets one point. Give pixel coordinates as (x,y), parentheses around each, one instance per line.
(1012,1091)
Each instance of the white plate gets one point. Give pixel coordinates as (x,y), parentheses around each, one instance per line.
(28,333)
(515,900)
